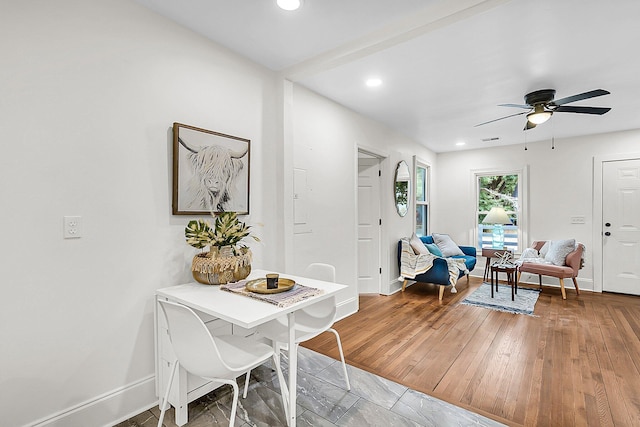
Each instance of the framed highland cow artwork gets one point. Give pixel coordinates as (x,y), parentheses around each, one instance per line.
(210,172)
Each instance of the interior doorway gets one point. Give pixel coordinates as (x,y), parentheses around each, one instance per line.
(369,223)
(621,226)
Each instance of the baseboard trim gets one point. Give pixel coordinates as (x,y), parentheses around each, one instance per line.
(347,308)
(107,409)
(394,286)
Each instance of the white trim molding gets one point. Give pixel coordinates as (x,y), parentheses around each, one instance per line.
(598,164)
(347,308)
(523,200)
(107,409)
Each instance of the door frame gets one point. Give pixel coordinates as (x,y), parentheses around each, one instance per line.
(598,253)
(383,157)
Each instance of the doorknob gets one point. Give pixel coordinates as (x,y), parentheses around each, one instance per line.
(607,234)
(608,224)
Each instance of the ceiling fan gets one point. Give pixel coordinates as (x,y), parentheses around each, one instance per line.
(540,106)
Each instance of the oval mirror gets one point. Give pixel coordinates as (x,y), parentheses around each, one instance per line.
(401,188)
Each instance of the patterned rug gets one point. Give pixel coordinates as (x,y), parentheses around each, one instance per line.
(524,303)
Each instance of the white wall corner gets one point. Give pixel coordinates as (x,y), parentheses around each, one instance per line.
(346,308)
(396,286)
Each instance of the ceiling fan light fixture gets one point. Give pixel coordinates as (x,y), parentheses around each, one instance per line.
(289,4)
(539,115)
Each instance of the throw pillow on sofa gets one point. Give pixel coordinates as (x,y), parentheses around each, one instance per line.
(558,251)
(433,248)
(446,245)
(418,245)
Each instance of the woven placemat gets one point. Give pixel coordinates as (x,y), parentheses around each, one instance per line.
(283,299)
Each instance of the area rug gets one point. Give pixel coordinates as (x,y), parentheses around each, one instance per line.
(524,302)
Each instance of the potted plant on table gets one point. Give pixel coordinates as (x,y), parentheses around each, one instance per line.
(228,259)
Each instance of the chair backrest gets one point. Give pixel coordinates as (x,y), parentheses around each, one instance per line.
(192,342)
(574,259)
(319,316)
(538,244)
(320,271)
(322,314)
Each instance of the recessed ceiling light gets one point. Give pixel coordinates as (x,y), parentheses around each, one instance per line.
(373,82)
(460,144)
(289,4)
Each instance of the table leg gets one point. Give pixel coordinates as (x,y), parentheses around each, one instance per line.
(510,280)
(284,391)
(293,370)
(487,263)
(491,283)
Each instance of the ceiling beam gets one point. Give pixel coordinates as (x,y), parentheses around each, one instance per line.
(434,17)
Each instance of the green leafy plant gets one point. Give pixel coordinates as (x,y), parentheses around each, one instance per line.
(498,191)
(227,230)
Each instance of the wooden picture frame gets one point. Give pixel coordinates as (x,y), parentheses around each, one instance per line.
(210,172)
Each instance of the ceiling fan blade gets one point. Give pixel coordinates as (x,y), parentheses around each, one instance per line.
(526,107)
(582,110)
(581,96)
(501,118)
(529,125)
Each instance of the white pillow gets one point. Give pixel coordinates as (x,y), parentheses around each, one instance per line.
(544,249)
(529,253)
(417,245)
(447,246)
(558,251)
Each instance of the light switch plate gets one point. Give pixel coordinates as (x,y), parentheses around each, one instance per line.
(577,220)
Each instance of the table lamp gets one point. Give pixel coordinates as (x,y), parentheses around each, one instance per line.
(497,217)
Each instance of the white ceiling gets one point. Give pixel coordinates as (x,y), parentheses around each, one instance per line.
(445,65)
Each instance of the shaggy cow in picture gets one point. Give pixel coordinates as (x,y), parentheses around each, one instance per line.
(214,173)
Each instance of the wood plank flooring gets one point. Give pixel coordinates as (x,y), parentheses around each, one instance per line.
(576,364)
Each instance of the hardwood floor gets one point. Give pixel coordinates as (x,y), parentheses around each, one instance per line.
(576,364)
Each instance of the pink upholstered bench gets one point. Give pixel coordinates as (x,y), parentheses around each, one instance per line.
(572,264)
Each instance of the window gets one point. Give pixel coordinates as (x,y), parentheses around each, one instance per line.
(422,199)
(499,190)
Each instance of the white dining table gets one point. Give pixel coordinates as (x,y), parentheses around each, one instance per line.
(248,313)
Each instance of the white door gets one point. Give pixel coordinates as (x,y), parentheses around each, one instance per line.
(369,274)
(621,226)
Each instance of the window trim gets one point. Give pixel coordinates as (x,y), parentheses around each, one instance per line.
(417,163)
(523,197)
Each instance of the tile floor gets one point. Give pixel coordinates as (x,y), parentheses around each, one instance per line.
(323,401)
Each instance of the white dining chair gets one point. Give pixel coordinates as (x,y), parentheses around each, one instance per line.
(215,358)
(310,321)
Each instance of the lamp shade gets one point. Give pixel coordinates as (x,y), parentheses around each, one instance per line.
(496,215)
(539,115)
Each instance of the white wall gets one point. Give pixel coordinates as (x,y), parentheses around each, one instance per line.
(326,137)
(89,93)
(560,186)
